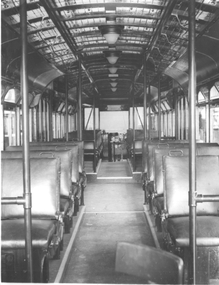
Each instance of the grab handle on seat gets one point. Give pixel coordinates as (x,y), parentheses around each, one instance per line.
(175,152)
(163,144)
(47,153)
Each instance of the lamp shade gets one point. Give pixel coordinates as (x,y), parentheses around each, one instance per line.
(111,33)
(111,38)
(112,55)
(114,89)
(113,69)
(112,59)
(113,84)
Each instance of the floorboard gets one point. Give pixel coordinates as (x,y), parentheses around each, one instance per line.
(114,169)
(114,212)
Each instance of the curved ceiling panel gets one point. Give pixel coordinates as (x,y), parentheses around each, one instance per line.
(40,71)
(112,33)
(207,59)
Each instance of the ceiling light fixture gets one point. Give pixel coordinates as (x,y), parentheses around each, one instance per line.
(114,89)
(112,55)
(111,33)
(113,84)
(113,69)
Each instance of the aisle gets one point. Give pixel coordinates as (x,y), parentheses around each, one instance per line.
(114,169)
(114,212)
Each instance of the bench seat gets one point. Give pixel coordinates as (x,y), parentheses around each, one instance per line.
(69,160)
(207,230)
(159,153)
(13,233)
(93,145)
(47,221)
(78,174)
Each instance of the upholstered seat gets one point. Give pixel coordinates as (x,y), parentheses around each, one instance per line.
(47,225)
(176,203)
(13,233)
(207,230)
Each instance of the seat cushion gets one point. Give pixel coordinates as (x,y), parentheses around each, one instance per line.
(13,233)
(207,230)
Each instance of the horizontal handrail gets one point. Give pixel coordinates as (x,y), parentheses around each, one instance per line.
(25,200)
(200,198)
(13,200)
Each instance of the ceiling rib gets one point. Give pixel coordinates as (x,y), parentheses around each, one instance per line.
(64,32)
(166,14)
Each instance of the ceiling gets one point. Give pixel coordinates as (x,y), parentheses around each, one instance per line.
(62,32)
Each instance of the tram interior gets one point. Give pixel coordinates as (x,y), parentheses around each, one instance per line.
(110,117)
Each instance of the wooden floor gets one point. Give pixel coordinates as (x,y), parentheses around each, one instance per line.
(114,169)
(113,213)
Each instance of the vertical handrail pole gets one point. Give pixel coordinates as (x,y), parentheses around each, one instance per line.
(26,156)
(40,113)
(149,114)
(180,119)
(94,127)
(129,122)
(45,120)
(133,122)
(66,108)
(145,100)
(184,118)
(159,109)
(192,139)
(208,118)
(50,117)
(176,115)
(79,100)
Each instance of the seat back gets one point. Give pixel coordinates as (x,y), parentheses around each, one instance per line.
(66,158)
(147,153)
(159,153)
(156,145)
(54,148)
(176,184)
(155,265)
(64,144)
(202,149)
(44,182)
(158,166)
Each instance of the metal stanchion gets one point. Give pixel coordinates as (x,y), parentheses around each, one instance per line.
(26,156)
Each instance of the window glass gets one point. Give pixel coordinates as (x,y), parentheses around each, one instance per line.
(12,96)
(9,128)
(61,107)
(201,97)
(139,119)
(214,93)
(166,105)
(214,131)
(201,124)
(156,108)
